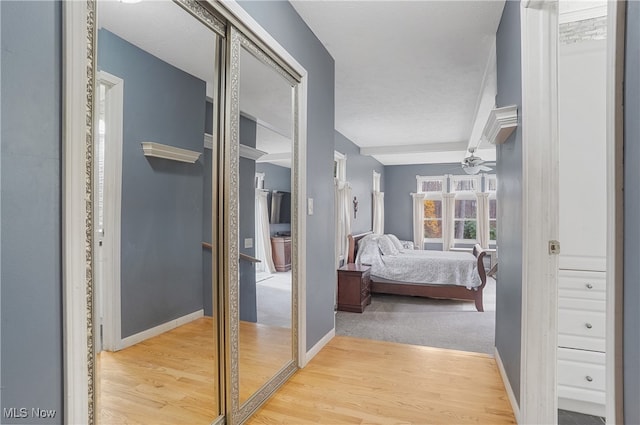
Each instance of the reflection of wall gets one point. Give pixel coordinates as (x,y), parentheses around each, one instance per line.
(360,175)
(207,255)
(30,138)
(161,199)
(247,223)
(509,171)
(276,178)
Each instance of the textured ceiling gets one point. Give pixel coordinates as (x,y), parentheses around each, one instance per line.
(407,72)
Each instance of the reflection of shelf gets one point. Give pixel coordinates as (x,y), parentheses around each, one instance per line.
(250,153)
(159,150)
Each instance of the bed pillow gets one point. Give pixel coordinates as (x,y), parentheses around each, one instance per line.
(386,246)
(395,241)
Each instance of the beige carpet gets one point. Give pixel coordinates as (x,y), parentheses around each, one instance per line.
(423,321)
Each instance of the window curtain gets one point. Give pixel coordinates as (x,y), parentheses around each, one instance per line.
(263,235)
(343,214)
(448,222)
(418,220)
(378,213)
(482,230)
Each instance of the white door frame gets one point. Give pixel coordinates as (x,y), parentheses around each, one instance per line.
(539,32)
(538,376)
(616,14)
(108,284)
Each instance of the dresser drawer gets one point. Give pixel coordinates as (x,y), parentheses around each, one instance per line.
(581,369)
(582,284)
(581,329)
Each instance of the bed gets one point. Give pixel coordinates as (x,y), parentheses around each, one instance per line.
(432,274)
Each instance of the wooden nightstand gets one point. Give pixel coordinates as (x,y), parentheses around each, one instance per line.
(354,283)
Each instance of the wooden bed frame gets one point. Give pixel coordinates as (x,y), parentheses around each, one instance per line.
(456,292)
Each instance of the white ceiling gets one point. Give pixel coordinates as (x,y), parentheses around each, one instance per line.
(408,72)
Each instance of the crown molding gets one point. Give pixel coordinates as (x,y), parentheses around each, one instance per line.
(159,150)
(500,124)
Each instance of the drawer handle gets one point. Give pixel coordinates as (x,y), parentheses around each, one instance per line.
(588,325)
(589,286)
(588,378)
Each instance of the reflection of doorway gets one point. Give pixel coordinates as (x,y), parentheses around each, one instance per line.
(108,185)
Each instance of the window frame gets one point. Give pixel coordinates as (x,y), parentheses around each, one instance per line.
(465,195)
(493,195)
(433,195)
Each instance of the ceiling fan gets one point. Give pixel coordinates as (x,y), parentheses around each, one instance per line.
(474,164)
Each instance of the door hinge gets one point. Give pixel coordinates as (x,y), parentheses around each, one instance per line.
(554,247)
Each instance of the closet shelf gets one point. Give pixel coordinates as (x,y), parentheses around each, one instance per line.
(500,124)
(159,150)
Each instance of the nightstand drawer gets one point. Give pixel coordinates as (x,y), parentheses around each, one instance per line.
(354,288)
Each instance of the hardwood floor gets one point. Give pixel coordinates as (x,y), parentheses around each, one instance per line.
(169,380)
(357,381)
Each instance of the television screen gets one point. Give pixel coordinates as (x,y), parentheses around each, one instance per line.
(280,207)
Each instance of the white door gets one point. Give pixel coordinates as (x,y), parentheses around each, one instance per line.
(107,200)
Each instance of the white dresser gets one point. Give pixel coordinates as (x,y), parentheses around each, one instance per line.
(582,220)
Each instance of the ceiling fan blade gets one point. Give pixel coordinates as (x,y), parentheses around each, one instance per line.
(471,170)
(484,168)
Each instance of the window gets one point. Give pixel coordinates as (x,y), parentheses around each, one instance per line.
(459,195)
(259,180)
(465,216)
(432,187)
(376,181)
(339,166)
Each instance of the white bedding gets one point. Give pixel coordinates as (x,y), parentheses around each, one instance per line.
(418,266)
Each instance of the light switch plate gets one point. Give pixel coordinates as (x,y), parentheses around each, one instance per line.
(310,206)
(248,243)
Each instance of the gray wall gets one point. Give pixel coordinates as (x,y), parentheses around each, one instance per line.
(207,193)
(360,175)
(285,25)
(400,181)
(276,178)
(161,276)
(31,293)
(509,171)
(631,214)
(247,223)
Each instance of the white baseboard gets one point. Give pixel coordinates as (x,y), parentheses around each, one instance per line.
(507,386)
(319,346)
(160,329)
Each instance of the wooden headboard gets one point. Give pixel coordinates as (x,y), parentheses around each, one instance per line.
(353,245)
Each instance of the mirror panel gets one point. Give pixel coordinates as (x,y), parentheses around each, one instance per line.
(260,154)
(156,315)
(265,292)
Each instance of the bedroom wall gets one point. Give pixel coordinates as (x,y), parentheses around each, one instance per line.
(400,181)
(30,214)
(509,171)
(360,170)
(161,276)
(276,178)
(631,213)
(281,20)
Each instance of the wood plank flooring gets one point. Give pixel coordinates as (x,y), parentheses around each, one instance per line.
(358,381)
(169,379)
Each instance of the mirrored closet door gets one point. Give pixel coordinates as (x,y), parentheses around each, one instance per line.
(156,305)
(263,231)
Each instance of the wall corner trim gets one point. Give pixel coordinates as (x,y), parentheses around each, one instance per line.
(500,124)
(319,346)
(160,150)
(507,386)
